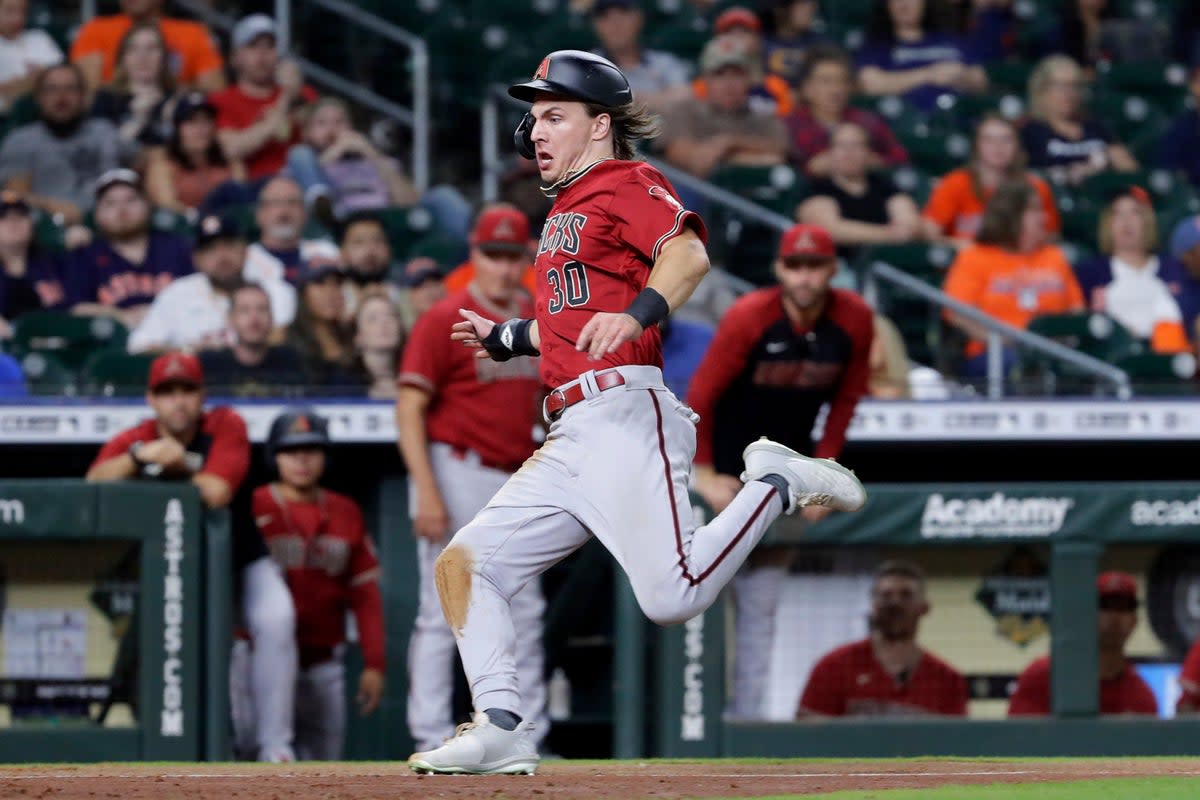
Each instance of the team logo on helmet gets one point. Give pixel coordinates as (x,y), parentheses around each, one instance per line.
(301,425)
(543,69)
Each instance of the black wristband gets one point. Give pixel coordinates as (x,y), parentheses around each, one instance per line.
(648,308)
(510,338)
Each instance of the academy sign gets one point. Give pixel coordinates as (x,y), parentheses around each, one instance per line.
(999,515)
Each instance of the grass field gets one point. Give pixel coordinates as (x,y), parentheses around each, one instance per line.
(898,779)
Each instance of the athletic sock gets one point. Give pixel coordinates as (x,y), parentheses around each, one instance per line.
(781,485)
(505,720)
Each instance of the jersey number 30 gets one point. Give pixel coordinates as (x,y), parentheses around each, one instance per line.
(570,287)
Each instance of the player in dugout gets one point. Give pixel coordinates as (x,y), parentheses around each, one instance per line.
(888,673)
(210,448)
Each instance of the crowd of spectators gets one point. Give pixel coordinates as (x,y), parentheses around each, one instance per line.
(140,165)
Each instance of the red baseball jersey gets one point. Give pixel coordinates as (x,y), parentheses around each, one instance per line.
(764,376)
(606,229)
(221,441)
(1189,677)
(331,567)
(477,404)
(850,681)
(1125,694)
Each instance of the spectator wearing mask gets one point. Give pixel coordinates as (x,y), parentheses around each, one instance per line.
(907,53)
(1011,272)
(857,206)
(251,366)
(192,312)
(194,58)
(24,269)
(888,673)
(658,79)
(378,342)
(1129,282)
(55,161)
(791,32)
(1122,690)
(126,266)
(955,206)
(319,331)
(24,52)
(141,95)
(699,136)
(183,175)
(259,117)
(281,251)
(1059,137)
(500,232)
(825,85)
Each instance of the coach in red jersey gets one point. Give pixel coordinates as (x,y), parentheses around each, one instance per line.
(1189,682)
(210,448)
(1122,690)
(318,537)
(779,355)
(888,673)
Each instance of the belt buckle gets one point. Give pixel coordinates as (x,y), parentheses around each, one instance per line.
(546,414)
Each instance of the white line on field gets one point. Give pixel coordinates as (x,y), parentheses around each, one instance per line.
(309,776)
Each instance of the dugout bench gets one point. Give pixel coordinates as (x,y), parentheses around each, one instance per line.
(685,678)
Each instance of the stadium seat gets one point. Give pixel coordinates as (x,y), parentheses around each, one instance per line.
(115,373)
(70,339)
(1009,76)
(913,181)
(779,188)
(1164,85)
(1160,373)
(1126,114)
(47,375)
(1093,334)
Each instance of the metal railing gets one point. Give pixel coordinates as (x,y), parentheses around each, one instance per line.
(416,118)
(999,332)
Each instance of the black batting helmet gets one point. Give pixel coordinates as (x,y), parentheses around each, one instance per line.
(297,427)
(576,74)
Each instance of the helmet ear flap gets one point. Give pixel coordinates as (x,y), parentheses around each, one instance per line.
(523,137)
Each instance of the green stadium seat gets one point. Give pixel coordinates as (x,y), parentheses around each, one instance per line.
(936,151)
(913,181)
(1093,334)
(1011,77)
(1127,114)
(70,339)
(1164,85)
(779,187)
(1160,373)
(47,375)
(115,373)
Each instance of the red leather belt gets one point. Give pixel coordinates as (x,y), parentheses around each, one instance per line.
(559,400)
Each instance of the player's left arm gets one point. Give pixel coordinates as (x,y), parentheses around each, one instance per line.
(681,264)
(852,387)
(227,463)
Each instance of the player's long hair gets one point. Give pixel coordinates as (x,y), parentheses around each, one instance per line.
(629,124)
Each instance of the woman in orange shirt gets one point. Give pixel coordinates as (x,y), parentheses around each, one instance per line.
(955,207)
(1012,272)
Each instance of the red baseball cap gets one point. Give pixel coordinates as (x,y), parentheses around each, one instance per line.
(501,227)
(737,17)
(1117,584)
(810,242)
(175,368)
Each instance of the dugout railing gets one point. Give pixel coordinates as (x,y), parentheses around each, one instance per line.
(686,676)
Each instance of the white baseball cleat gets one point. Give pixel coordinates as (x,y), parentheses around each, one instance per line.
(481,748)
(812,481)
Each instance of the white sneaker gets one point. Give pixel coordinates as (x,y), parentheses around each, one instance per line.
(481,748)
(812,481)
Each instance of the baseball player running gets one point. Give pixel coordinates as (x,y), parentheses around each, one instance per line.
(318,538)
(465,425)
(617,253)
(779,355)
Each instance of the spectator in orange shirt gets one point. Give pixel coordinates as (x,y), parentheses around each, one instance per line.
(955,207)
(259,117)
(500,233)
(1011,272)
(194,57)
